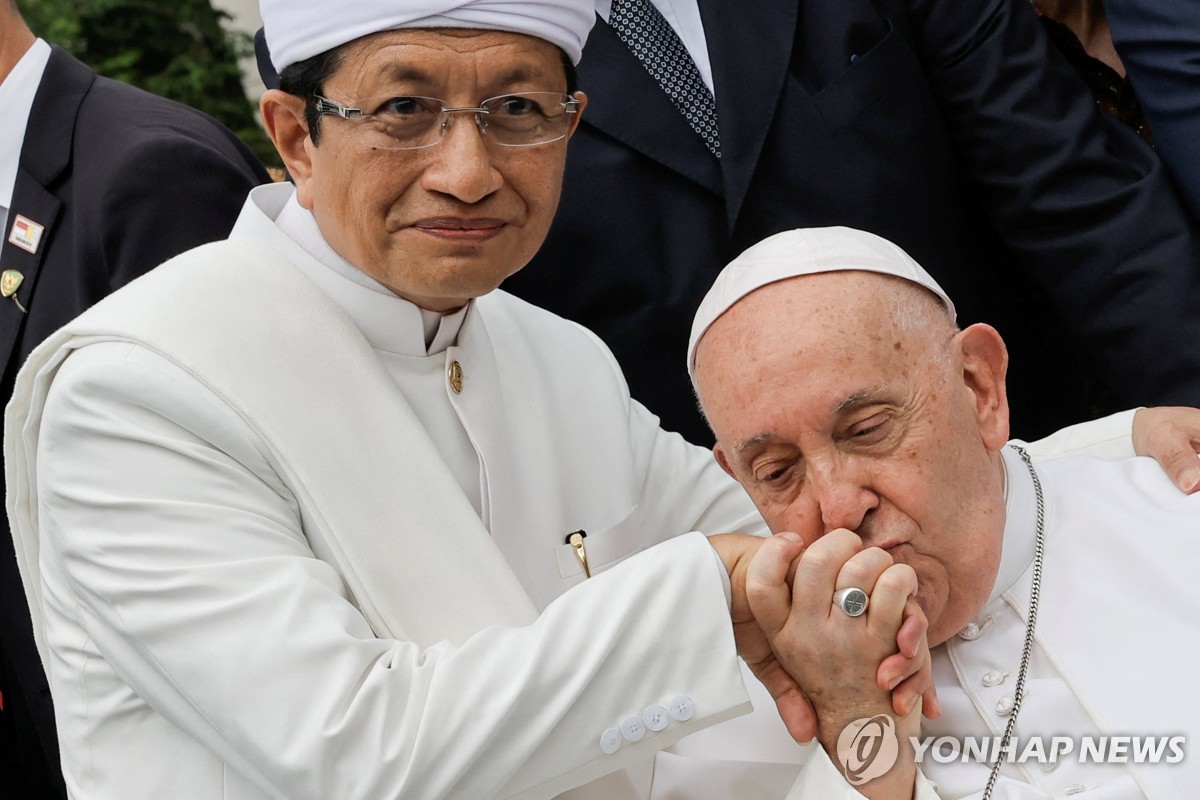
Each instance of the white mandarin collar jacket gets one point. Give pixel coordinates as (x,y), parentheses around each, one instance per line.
(331,619)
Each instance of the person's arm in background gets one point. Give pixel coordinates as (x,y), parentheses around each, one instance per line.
(1082,204)
(1159,43)
(1169,435)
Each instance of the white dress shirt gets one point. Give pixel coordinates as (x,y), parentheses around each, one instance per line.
(17,93)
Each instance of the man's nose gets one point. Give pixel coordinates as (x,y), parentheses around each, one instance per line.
(843,496)
(463,165)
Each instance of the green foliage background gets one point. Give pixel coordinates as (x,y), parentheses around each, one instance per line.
(174,48)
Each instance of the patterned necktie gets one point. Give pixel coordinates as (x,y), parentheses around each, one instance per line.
(647,33)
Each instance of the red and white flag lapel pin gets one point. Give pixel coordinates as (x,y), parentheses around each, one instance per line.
(26,234)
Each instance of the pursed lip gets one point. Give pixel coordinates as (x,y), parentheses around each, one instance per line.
(890,546)
(461,228)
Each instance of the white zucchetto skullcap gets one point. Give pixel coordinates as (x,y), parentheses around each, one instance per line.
(296,31)
(806,251)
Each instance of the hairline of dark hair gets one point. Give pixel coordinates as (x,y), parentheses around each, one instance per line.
(306,79)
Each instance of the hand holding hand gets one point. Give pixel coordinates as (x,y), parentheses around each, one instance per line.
(847,666)
(737,551)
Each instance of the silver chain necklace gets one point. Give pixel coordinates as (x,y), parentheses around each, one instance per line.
(1034,593)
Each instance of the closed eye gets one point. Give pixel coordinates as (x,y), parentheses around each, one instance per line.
(773,474)
(870,430)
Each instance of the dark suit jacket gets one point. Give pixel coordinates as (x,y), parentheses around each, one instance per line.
(947,126)
(121,180)
(1159,43)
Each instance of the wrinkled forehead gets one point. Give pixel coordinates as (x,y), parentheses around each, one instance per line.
(823,337)
(826,309)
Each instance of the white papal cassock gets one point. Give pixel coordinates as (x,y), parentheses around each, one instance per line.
(1114,656)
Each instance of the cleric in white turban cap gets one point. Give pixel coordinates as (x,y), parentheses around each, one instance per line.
(805,251)
(298,31)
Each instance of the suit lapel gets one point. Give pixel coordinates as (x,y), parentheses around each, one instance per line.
(626,103)
(36,204)
(45,154)
(750,46)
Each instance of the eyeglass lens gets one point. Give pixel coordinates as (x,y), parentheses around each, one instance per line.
(514,120)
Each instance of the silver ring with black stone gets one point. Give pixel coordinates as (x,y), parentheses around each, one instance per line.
(852,601)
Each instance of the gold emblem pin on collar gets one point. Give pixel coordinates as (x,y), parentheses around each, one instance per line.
(10,282)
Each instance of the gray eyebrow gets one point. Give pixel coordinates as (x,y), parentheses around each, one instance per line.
(862,397)
(871,394)
(757,439)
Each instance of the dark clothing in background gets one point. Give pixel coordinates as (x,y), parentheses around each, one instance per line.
(1112,91)
(948,126)
(121,180)
(1159,44)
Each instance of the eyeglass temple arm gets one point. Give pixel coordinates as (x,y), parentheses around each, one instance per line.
(327,106)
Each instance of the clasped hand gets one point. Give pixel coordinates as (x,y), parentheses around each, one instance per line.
(825,668)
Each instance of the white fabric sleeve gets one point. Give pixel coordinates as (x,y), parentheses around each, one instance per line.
(683,488)
(170,532)
(1110,438)
(684,484)
(820,778)
(725,584)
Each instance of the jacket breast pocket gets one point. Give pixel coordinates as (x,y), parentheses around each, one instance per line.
(604,547)
(869,77)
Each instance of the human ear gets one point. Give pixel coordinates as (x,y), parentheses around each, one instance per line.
(984,366)
(283,118)
(719,455)
(582,98)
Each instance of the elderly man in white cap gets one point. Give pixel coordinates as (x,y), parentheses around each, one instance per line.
(311,513)
(1060,593)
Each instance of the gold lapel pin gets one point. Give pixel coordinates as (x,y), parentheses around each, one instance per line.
(10,282)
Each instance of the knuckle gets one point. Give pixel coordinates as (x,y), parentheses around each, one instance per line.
(907,573)
(892,583)
(822,560)
(758,592)
(842,540)
(1177,459)
(856,573)
(898,579)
